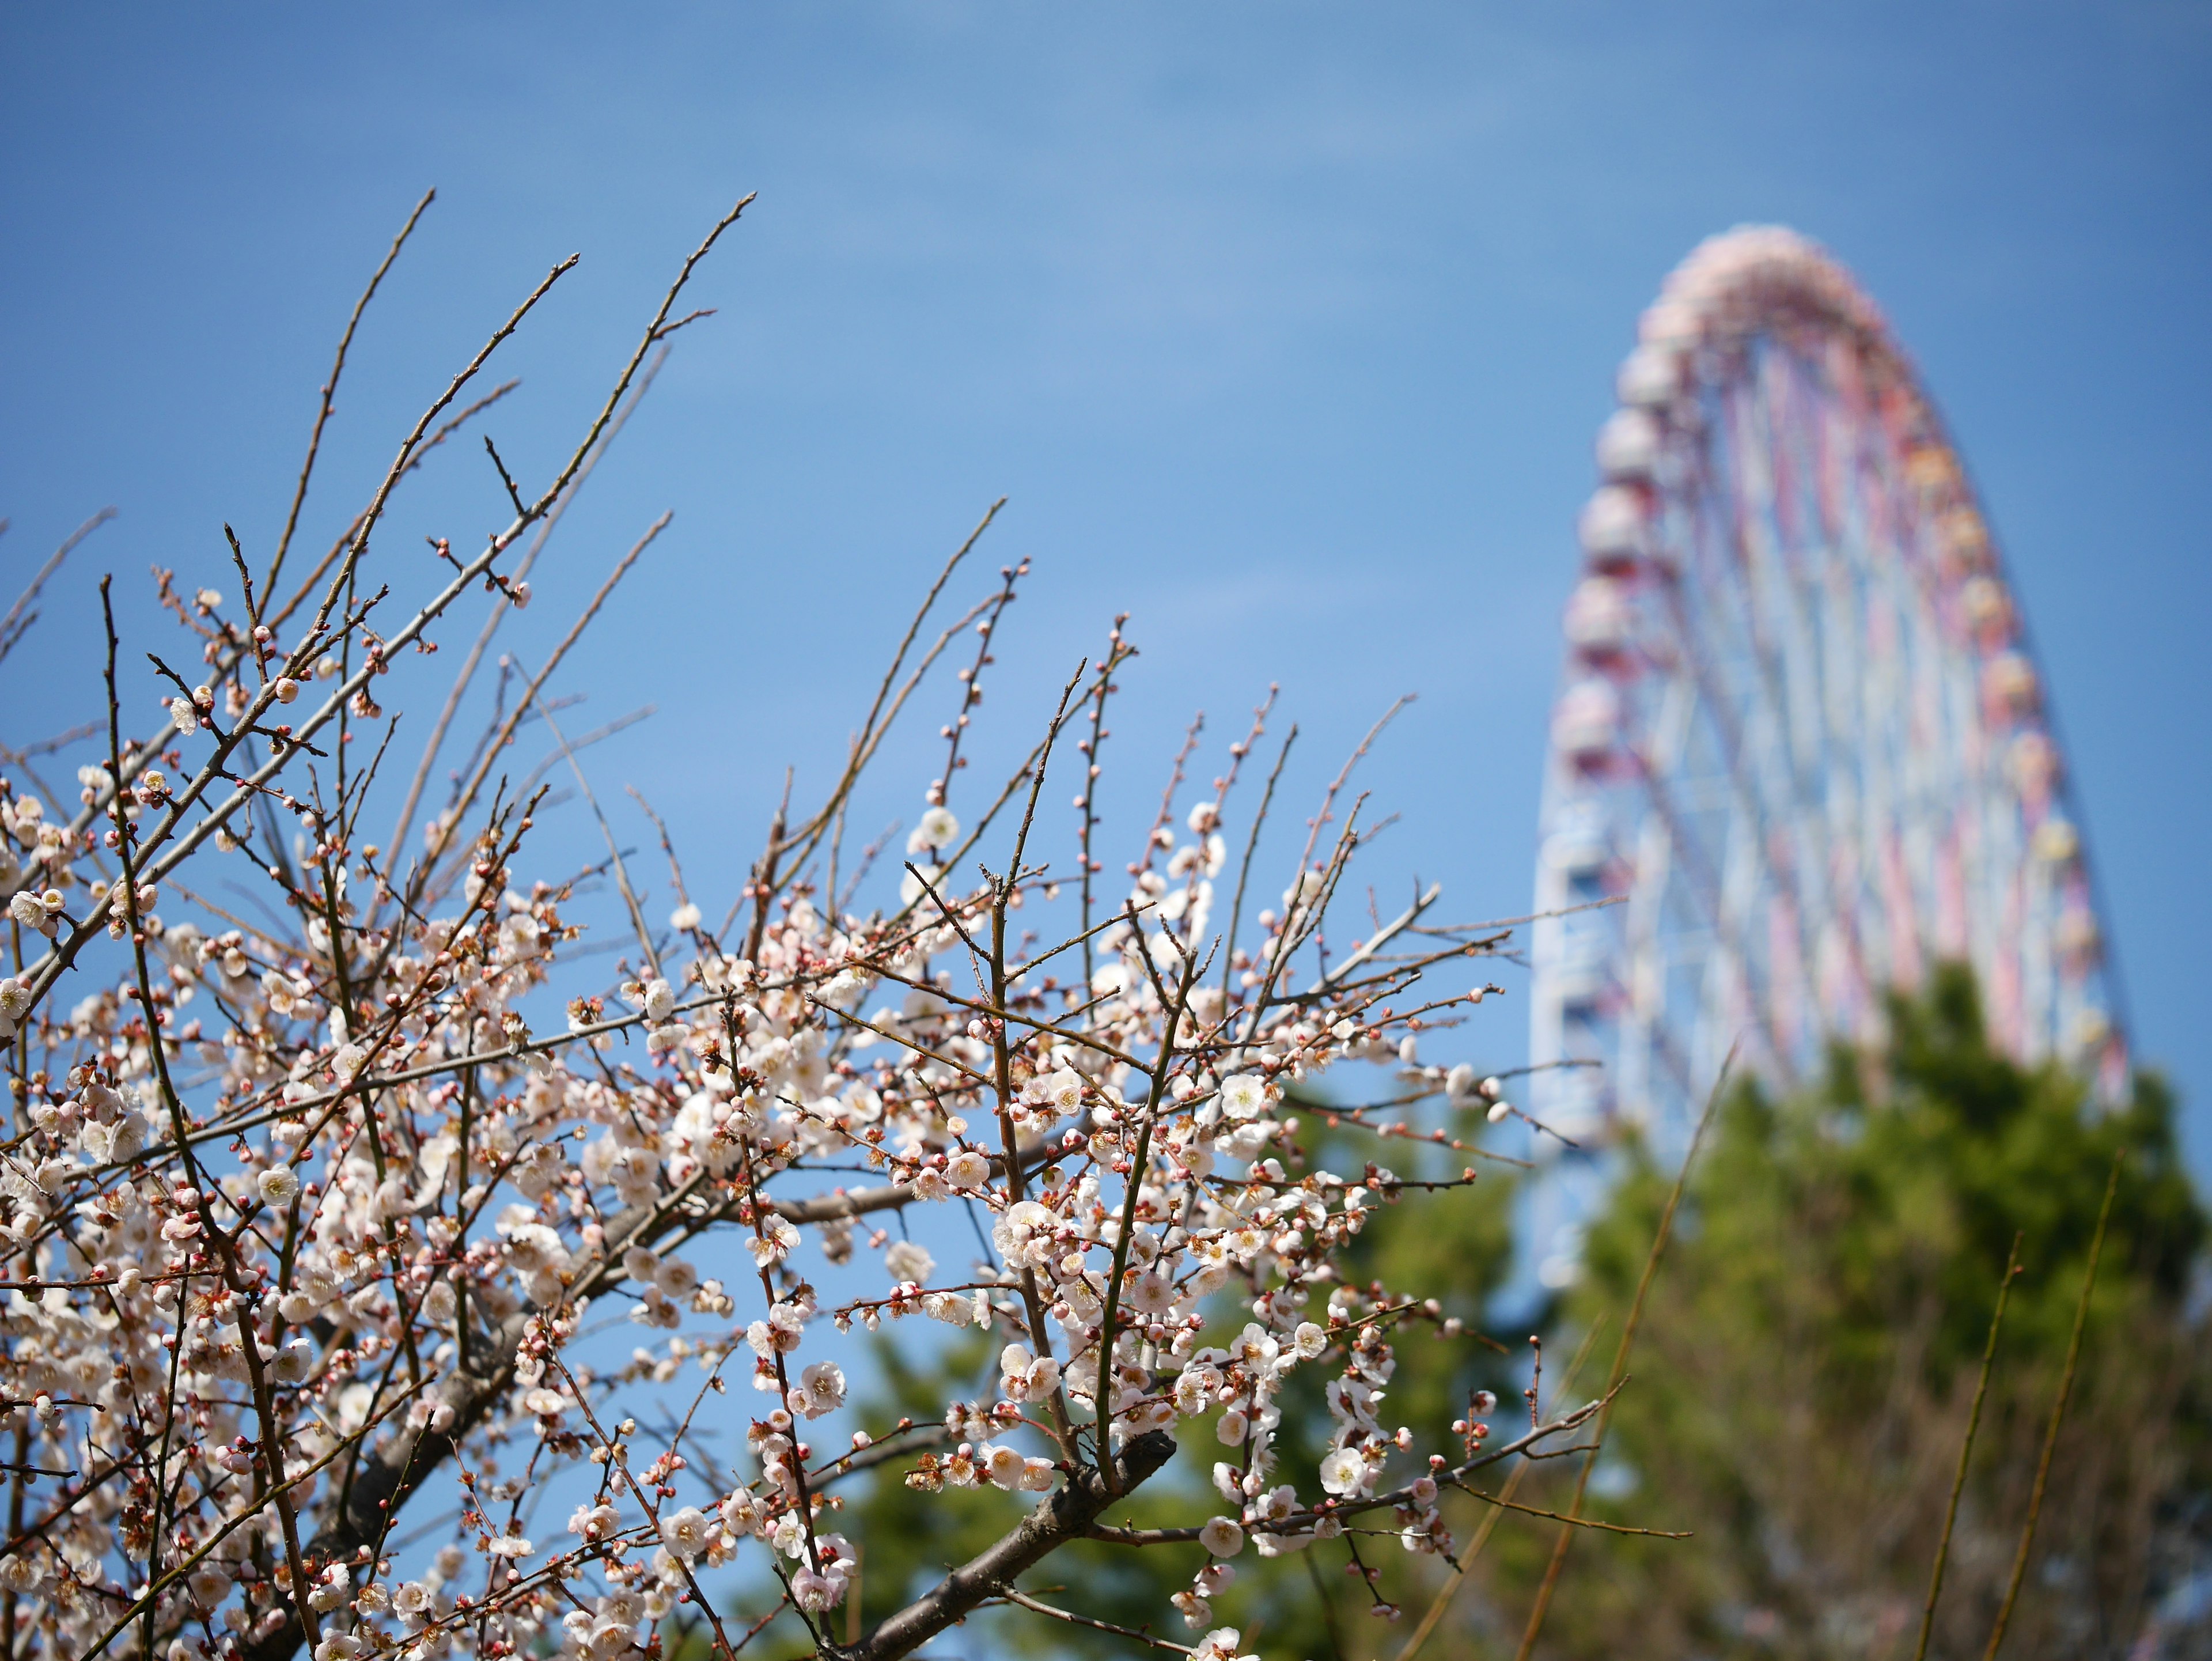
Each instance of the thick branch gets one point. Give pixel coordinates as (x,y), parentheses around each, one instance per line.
(389,1477)
(1067,1516)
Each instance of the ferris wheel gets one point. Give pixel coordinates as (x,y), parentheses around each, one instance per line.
(1801,740)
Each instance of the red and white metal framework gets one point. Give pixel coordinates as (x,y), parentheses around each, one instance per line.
(1800,738)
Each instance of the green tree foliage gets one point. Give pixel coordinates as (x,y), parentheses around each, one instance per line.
(1800,1386)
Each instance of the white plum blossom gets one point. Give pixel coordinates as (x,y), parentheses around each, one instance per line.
(411,1600)
(905,1260)
(594,1522)
(821,1389)
(1024,1376)
(1060,1090)
(685,1531)
(776,1240)
(1005,1466)
(277,1185)
(1243,1096)
(937,829)
(741,1514)
(1220,1644)
(1221,1536)
(295,1193)
(1343,1472)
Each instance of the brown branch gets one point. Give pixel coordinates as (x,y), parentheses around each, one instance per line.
(2057,1414)
(1304,1522)
(1966,1454)
(13,625)
(653,333)
(275,619)
(1561,1516)
(467,796)
(1075,1619)
(390,1476)
(1450,1590)
(502,603)
(330,390)
(1065,1516)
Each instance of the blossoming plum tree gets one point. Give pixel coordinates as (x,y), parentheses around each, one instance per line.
(302,1219)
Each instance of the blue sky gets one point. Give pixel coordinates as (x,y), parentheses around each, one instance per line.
(1285,328)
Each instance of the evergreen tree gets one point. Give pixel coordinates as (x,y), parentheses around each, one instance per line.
(1802,1380)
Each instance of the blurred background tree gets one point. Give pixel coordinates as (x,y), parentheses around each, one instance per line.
(1803,1377)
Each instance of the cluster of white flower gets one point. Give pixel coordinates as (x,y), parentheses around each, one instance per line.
(299,1220)
(361,1242)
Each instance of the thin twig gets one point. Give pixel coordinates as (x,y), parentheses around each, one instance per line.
(501,604)
(2057,1413)
(1446,1593)
(1244,866)
(275,619)
(1029,1603)
(614,852)
(1621,1361)
(467,795)
(1562,1516)
(1966,1454)
(329,391)
(12,627)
